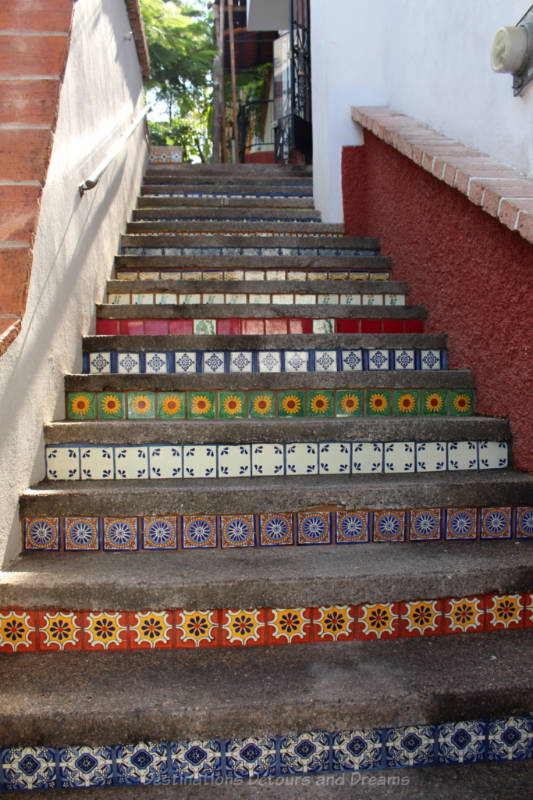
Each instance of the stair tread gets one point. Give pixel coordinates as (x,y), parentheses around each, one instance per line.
(150,193)
(274,577)
(289,341)
(261,287)
(260,310)
(237,226)
(101,698)
(316,263)
(245,240)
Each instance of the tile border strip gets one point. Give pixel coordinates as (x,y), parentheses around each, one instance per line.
(126,273)
(53,630)
(79,533)
(219,297)
(277,759)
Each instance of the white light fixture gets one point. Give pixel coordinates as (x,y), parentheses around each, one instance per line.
(512,51)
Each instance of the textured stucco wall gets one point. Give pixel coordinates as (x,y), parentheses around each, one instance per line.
(474,275)
(75,243)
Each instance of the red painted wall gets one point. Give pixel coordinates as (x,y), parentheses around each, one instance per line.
(474,276)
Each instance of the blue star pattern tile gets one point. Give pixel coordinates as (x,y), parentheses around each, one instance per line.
(410,746)
(120,534)
(251,758)
(85,766)
(199,531)
(29,768)
(42,534)
(356,750)
(352,526)
(196,759)
(305,754)
(275,529)
(159,533)
(460,742)
(524,523)
(143,763)
(314,527)
(510,739)
(237,531)
(81,533)
(425,524)
(389,526)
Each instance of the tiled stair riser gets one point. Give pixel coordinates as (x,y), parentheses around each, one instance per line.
(265,251)
(266,298)
(186,362)
(50,630)
(256,326)
(302,274)
(210,404)
(276,529)
(255,460)
(288,760)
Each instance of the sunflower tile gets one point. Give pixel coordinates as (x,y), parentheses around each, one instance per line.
(81,405)
(141,405)
(111,405)
(461,402)
(434,403)
(232,405)
(349,403)
(406,403)
(171,405)
(201,405)
(378,403)
(291,404)
(320,404)
(262,404)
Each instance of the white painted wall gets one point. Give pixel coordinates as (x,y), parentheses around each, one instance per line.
(426,58)
(76,241)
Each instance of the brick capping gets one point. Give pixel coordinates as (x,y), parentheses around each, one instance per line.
(134,13)
(501,191)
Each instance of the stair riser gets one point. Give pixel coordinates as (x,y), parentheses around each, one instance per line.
(182,213)
(73,534)
(223,192)
(241,227)
(140,268)
(199,251)
(213,296)
(157,197)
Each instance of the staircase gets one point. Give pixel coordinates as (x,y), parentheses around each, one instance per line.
(274,539)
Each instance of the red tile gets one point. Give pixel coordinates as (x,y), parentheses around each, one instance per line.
(464,614)
(276,326)
(151,630)
(421,618)
(229,327)
(18,631)
(60,630)
(378,621)
(333,623)
(300,326)
(528,610)
(197,628)
(252,327)
(243,627)
(371,325)
(347,325)
(393,325)
(107,327)
(414,326)
(105,630)
(504,611)
(131,327)
(156,327)
(288,625)
(180,327)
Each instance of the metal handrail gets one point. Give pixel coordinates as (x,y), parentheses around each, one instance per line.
(94,177)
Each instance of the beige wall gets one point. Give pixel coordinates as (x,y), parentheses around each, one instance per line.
(76,241)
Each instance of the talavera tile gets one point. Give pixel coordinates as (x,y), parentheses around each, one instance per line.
(234,461)
(268,459)
(199,461)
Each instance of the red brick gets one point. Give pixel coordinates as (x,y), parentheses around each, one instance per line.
(525,225)
(509,210)
(24,154)
(31,102)
(9,330)
(19,211)
(15,268)
(450,175)
(35,15)
(33,55)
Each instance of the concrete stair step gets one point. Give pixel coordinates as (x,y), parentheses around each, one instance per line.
(345,243)
(203,310)
(272,286)
(491,488)
(231,179)
(260,189)
(158,196)
(177,212)
(231,170)
(234,226)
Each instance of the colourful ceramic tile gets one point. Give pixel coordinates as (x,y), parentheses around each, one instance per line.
(96,463)
(306,754)
(275,529)
(301,458)
(313,527)
(461,742)
(406,403)
(155,363)
(510,738)
(291,404)
(412,746)
(105,630)
(464,614)
(434,403)
(461,523)
(389,526)
(421,618)
(159,533)
(129,363)
(150,630)
(425,524)
(378,403)
(504,611)
(62,463)
(268,459)
(320,404)
(111,405)
(262,404)
(357,750)
(232,405)
(495,523)
(461,402)
(240,362)
(237,531)
(334,458)
(27,768)
(251,758)
(241,627)
(85,766)
(431,456)
(333,623)
(59,630)
(197,628)
(201,405)
(378,621)
(524,523)
(141,405)
(199,531)
(120,533)
(171,405)
(41,533)
(165,461)
(81,533)
(325,361)
(17,631)
(204,327)
(349,403)
(143,764)
(81,405)
(288,625)
(196,759)
(352,526)
(493,455)
(399,457)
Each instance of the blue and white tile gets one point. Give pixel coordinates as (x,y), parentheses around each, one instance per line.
(404,359)
(399,457)
(63,463)
(199,461)
(131,462)
(356,750)
(142,299)
(378,360)
(462,456)
(352,360)
(412,746)
(327,299)
(251,758)
(324,326)
(97,463)
(128,363)
(234,460)
(509,739)
(240,362)
(85,766)
(305,754)
(213,298)
(185,362)
(430,359)
(268,459)
(431,456)
(165,461)
(115,299)
(372,299)
(296,360)
(213,362)
(301,458)
(461,742)
(142,764)
(196,759)
(350,299)
(493,455)
(29,768)
(190,299)
(99,363)
(236,299)
(335,458)
(166,298)
(367,457)
(394,299)
(156,363)
(325,361)
(269,361)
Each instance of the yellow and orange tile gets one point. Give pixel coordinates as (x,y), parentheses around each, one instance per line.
(528,610)
(197,628)
(105,630)
(17,631)
(421,618)
(288,625)
(333,623)
(151,630)
(378,621)
(464,614)
(60,630)
(242,627)
(504,611)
